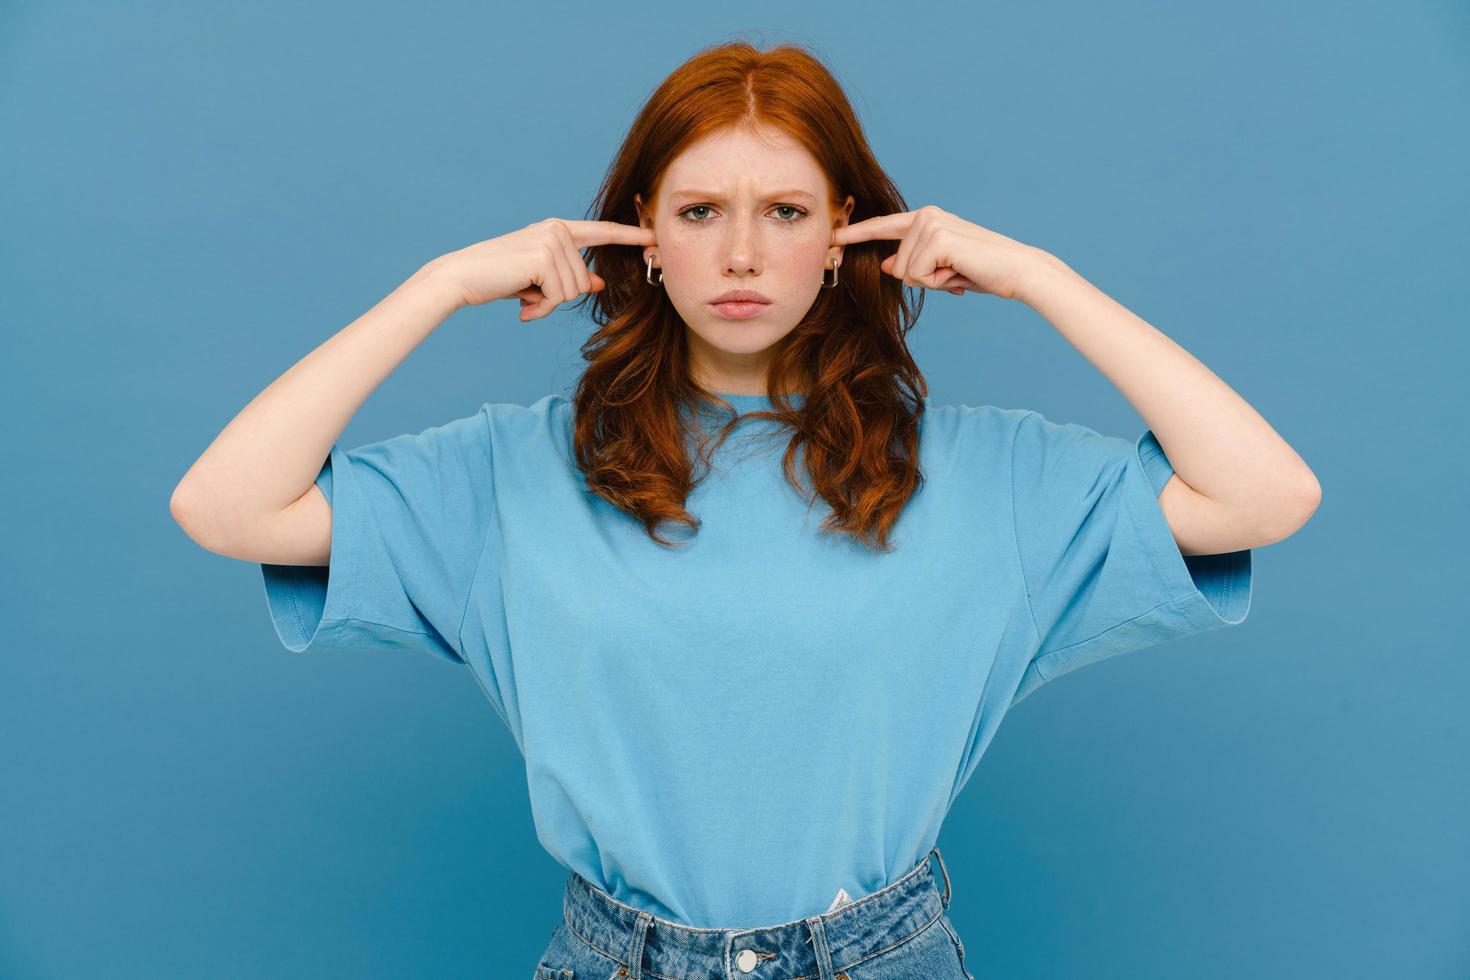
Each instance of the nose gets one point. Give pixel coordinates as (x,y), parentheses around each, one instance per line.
(742,246)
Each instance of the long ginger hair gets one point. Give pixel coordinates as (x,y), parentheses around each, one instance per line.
(862,393)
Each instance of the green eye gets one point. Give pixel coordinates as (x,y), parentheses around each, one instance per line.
(687,213)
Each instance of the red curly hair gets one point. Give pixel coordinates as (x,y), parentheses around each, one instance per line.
(862,393)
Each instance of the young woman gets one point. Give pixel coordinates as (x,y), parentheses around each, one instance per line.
(742,740)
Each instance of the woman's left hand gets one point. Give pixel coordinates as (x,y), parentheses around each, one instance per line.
(939,250)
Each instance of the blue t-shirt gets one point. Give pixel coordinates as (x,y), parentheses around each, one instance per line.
(726,732)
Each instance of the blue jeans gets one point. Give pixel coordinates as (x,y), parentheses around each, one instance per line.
(900,931)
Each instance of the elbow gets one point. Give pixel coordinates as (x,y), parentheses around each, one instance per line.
(181,506)
(182,511)
(1309,496)
(192,519)
(178,506)
(1299,504)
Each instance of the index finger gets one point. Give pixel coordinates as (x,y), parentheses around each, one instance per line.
(609,233)
(883,226)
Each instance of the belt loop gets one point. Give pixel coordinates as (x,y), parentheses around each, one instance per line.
(819,946)
(635,949)
(944,899)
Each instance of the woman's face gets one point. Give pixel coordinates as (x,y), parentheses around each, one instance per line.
(741,211)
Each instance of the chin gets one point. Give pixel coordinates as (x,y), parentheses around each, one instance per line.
(751,343)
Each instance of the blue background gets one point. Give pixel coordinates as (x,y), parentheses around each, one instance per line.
(197,195)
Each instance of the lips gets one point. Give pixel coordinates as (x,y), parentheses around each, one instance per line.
(741,296)
(738,310)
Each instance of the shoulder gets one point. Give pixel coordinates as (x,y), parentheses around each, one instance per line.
(972,429)
(511,418)
(521,431)
(1044,443)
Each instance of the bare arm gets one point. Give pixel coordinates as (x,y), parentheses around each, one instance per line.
(1237,483)
(252,494)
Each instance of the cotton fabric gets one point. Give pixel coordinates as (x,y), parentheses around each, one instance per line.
(725,732)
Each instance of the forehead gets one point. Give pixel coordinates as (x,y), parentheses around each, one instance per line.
(738,162)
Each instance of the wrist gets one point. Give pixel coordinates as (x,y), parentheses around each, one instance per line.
(435,281)
(1041,273)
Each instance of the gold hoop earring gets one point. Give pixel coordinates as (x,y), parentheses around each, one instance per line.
(833,283)
(649,275)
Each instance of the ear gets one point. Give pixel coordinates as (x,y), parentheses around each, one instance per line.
(840,221)
(645,220)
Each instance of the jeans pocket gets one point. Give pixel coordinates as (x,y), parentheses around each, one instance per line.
(544,972)
(959,947)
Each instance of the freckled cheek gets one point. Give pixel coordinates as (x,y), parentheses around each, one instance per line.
(794,256)
(798,261)
(680,253)
(684,258)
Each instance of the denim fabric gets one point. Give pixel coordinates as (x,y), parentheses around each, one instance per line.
(900,931)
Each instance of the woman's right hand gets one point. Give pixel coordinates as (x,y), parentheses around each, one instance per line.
(540,263)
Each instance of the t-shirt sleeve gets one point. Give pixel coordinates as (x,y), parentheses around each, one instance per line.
(1102,570)
(410,516)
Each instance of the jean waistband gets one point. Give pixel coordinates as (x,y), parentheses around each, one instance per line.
(801,947)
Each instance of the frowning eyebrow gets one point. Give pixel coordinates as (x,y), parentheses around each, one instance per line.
(712,196)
